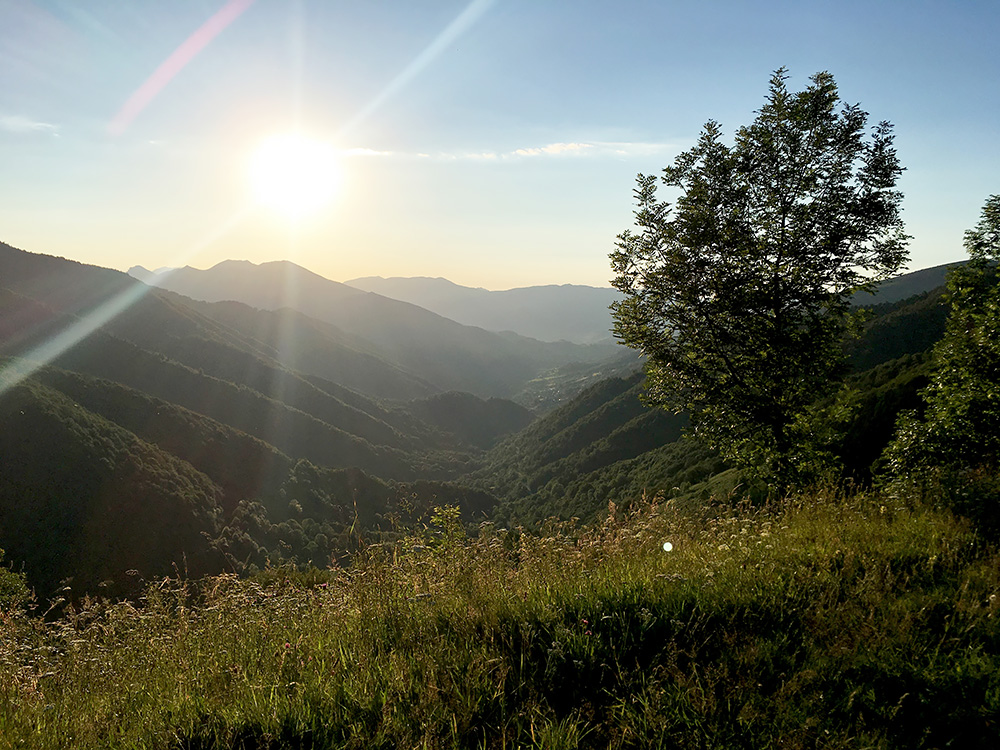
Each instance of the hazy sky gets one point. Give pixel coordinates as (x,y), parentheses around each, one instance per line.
(494,142)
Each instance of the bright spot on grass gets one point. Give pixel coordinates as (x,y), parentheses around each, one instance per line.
(667,546)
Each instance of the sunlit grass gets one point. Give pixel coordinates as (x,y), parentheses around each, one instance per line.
(821,622)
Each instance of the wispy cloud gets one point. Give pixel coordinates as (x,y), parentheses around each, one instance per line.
(554,149)
(21,125)
(591,149)
(561,149)
(597,149)
(636,148)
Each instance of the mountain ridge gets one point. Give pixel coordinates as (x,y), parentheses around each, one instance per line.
(196,416)
(171,438)
(436,349)
(548,312)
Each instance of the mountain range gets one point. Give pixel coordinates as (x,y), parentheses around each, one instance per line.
(441,353)
(285,417)
(173,415)
(550,313)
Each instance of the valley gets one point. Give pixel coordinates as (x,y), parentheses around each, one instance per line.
(284,418)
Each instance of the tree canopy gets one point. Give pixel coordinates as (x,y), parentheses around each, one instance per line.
(739,292)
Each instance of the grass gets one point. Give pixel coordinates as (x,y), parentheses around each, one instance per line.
(822,622)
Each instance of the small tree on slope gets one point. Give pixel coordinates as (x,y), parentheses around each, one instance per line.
(739,294)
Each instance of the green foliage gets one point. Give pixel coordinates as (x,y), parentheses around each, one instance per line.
(105,485)
(740,294)
(825,621)
(82,498)
(603,446)
(13,587)
(956,442)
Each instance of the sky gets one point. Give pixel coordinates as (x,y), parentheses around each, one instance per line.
(492,142)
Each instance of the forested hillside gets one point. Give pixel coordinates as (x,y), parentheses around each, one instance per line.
(605,446)
(144,432)
(261,448)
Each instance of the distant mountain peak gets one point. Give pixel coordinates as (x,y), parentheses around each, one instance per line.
(231,263)
(554,312)
(432,281)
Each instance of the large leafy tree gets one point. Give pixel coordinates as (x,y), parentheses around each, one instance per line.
(957,441)
(739,292)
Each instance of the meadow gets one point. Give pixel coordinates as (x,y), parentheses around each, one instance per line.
(822,621)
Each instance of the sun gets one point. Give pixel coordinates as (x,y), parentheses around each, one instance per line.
(294,174)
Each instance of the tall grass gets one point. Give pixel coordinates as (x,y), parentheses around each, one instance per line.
(822,622)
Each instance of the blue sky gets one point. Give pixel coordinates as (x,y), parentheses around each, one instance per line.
(494,143)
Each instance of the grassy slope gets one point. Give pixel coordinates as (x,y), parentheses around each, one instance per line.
(826,622)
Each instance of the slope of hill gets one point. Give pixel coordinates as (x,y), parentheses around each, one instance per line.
(437,350)
(245,460)
(220,344)
(103,486)
(605,446)
(549,313)
(907,285)
(83,498)
(589,452)
(350,437)
(899,328)
(474,420)
(169,325)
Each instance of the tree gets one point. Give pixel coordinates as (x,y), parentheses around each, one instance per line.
(739,294)
(956,444)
